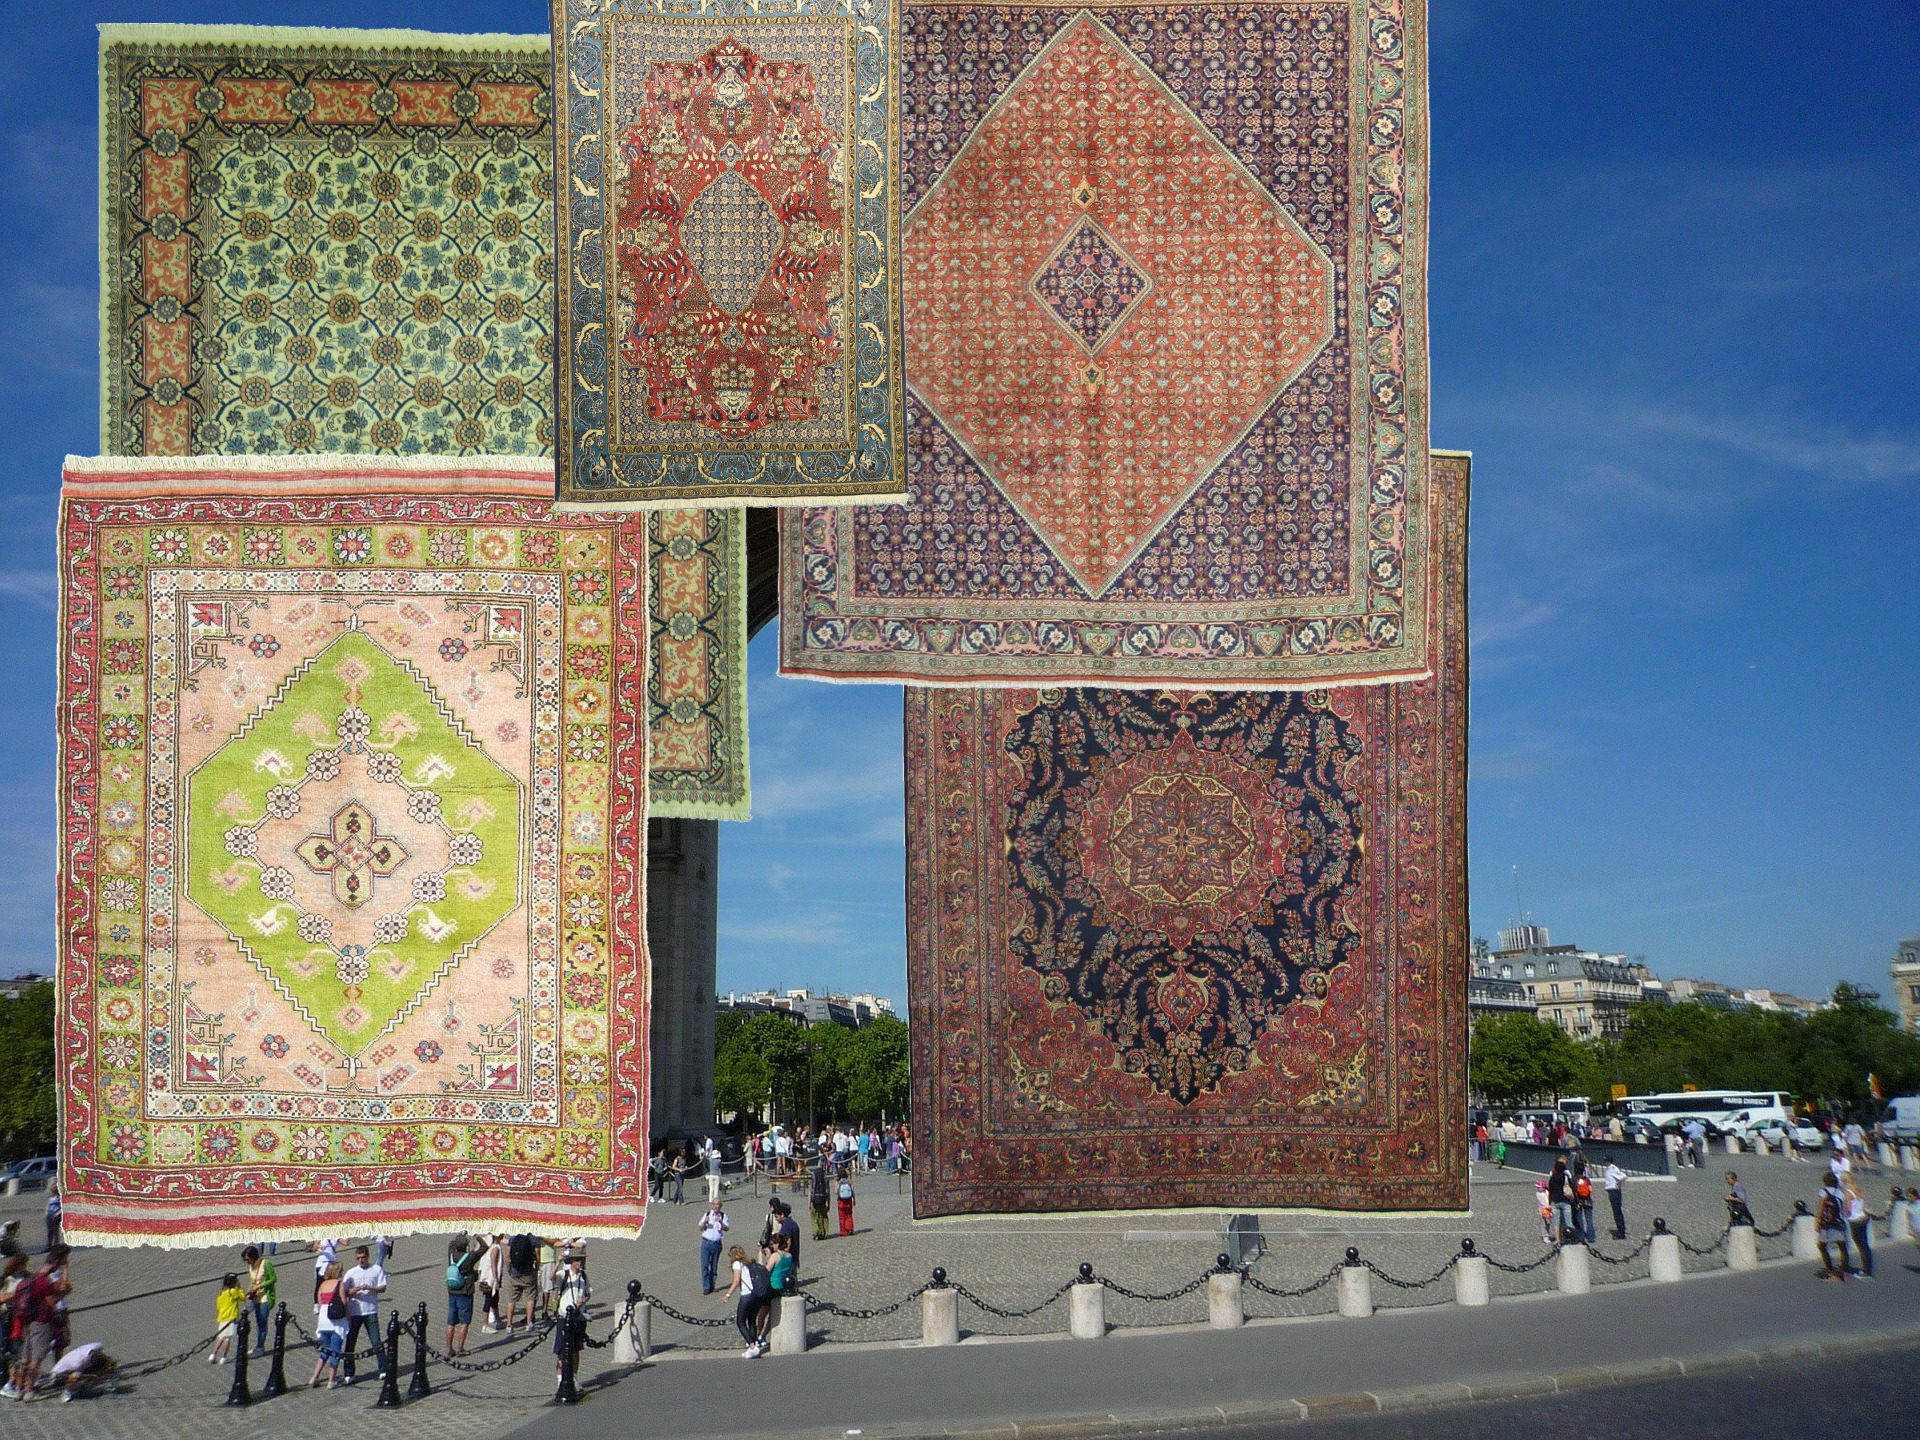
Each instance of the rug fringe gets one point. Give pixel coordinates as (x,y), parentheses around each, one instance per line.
(259,37)
(325,460)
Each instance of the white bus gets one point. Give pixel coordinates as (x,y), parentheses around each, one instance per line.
(1737,1112)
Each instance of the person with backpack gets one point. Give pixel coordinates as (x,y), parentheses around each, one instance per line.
(523,1279)
(1561,1199)
(463,1274)
(329,1325)
(571,1294)
(1830,1226)
(754,1287)
(1582,1200)
(819,1196)
(845,1193)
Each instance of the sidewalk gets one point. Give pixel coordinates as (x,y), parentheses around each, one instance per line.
(1272,1371)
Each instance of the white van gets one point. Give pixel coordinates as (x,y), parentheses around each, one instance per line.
(1903,1117)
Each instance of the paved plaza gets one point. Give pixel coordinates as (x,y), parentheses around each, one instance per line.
(147,1304)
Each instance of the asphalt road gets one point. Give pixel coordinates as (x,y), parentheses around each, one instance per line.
(1861,1397)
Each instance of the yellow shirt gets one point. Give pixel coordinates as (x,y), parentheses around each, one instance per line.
(226,1305)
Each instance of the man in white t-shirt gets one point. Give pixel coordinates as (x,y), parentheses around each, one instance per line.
(363,1286)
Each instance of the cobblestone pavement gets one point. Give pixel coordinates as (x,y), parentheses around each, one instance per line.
(145,1304)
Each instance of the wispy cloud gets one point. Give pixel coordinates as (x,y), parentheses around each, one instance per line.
(39,588)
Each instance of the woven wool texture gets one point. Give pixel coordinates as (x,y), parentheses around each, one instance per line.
(1165,298)
(352,759)
(340,241)
(1194,947)
(729,319)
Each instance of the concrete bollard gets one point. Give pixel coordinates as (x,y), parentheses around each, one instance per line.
(1089,1315)
(1356,1287)
(789,1331)
(1899,1222)
(1806,1241)
(1887,1155)
(1226,1309)
(1733,1144)
(633,1341)
(1663,1258)
(940,1315)
(1760,1146)
(1470,1280)
(1575,1270)
(13,1186)
(1909,1158)
(1639,1137)
(1743,1251)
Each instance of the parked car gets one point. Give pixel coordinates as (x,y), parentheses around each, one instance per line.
(1903,1118)
(1638,1125)
(1680,1122)
(1772,1131)
(32,1174)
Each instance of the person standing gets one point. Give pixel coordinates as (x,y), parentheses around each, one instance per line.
(329,1328)
(787,1228)
(1860,1226)
(523,1279)
(53,1216)
(263,1293)
(463,1272)
(1615,1180)
(819,1197)
(228,1306)
(489,1278)
(1830,1226)
(363,1286)
(714,1226)
(1560,1199)
(845,1193)
(1737,1211)
(1582,1186)
(572,1293)
(325,1253)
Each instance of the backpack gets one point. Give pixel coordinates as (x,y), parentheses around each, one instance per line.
(336,1303)
(846,1189)
(456,1277)
(1583,1187)
(1829,1212)
(520,1254)
(758,1278)
(820,1187)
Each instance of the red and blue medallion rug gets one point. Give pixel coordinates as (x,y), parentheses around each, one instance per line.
(1165,351)
(1194,948)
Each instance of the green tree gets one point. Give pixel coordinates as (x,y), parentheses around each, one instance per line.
(1516,1058)
(28,1114)
(759,1065)
(874,1070)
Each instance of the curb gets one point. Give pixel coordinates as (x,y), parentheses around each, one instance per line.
(1387,1402)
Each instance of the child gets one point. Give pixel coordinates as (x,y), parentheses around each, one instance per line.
(226,1314)
(1547,1236)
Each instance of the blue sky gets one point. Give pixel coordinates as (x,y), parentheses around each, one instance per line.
(1675,291)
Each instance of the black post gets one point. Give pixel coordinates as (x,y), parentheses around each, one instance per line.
(277,1374)
(390,1376)
(240,1394)
(418,1388)
(572,1323)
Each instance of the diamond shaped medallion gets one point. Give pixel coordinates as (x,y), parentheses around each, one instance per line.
(1089,285)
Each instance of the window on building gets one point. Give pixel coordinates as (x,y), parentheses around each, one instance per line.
(1913,993)
(1556,992)
(1579,987)
(1553,967)
(1506,973)
(1529,970)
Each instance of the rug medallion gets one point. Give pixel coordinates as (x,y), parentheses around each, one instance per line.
(352,913)
(1165,351)
(1177,948)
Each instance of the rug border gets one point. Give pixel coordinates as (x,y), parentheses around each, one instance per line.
(739,807)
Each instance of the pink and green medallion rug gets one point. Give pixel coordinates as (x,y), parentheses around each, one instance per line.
(353,758)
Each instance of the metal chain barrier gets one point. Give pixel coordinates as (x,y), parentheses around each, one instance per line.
(1184,1290)
(992,1309)
(1547,1258)
(828,1307)
(685,1319)
(154,1367)
(486,1367)
(1712,1249)
(1774,1234)
(618,1325)
(1247,1275)
(1408,1284)
(1630,1256)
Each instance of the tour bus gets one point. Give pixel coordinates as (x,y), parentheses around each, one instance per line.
(1736,1112)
